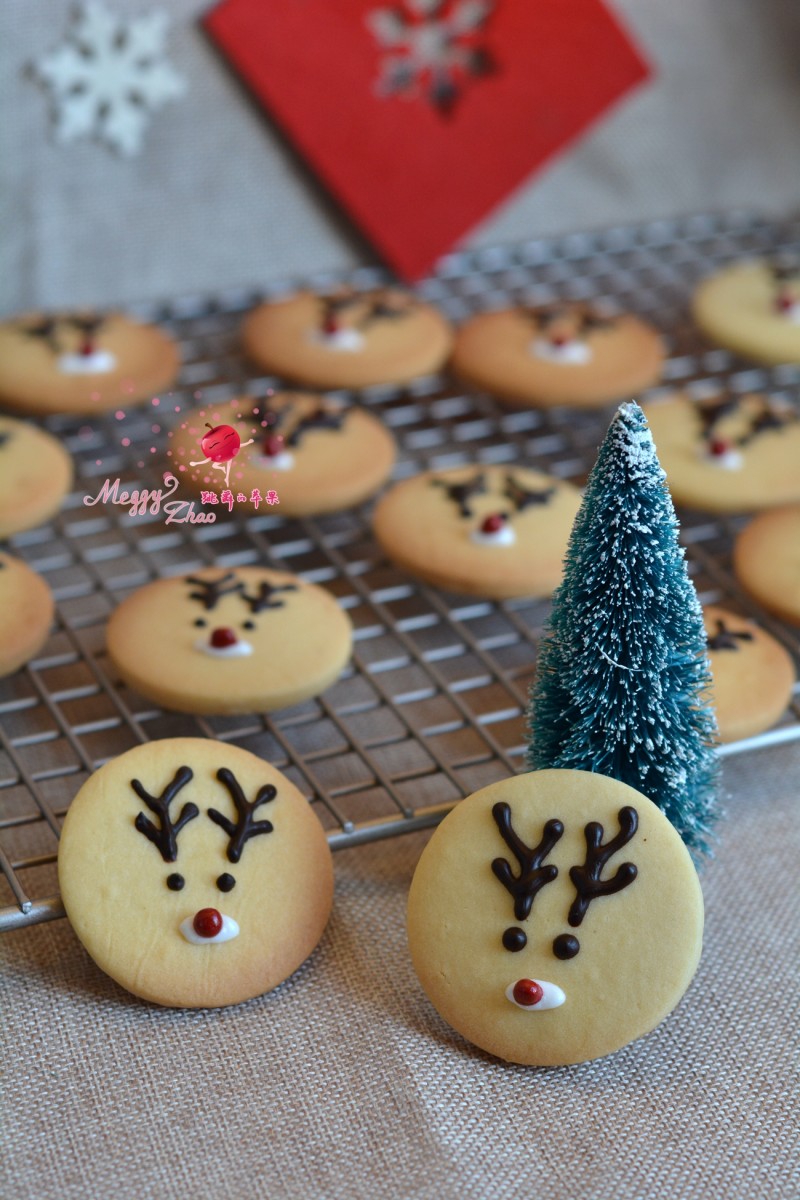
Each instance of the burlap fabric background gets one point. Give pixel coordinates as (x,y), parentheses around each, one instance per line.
(344,1083)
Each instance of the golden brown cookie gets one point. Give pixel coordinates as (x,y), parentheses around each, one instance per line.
(729,453)
(82,362)
(753,308)
(347,339)
(566,354)
(316,455)
(238,641)
(483,530)
(26,605)
(194,873)
(766,558)
(752,675)
(555,917)
(35,475)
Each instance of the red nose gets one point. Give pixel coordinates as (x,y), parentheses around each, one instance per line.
(87,347)
(527,992)
(273,444)
(330,325)
(559,339)
(207,923)
(493,523)
(784,302)
(220,638)
(718,447)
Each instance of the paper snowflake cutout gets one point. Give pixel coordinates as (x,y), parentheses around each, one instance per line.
(432,47)
(108,77)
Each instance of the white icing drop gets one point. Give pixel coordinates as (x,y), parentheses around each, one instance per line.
(504,536)
(553,996)
(274,462)
(341,339)
(96,363)
(237,650)
(229,930)
(731,460)
(571,353)
(792,313)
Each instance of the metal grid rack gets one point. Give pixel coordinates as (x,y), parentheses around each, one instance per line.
(432,706)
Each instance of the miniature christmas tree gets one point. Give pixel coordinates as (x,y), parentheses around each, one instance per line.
(622,669)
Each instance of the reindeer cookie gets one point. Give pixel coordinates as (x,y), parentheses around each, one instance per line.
(347,339)
(753,308)
(82,362)
(482,530)
(318,456)
(35,475)
(238,641)
(555,917)
(565,354)
(752,675)
(730,453)
(766,558)
(194,873)
(26,605)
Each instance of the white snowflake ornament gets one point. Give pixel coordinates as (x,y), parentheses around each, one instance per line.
(108,77)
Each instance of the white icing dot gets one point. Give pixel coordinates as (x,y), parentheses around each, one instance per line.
(230,930)
(573,352)
(237,650)
(553,996)
(341,339)
(504,536)
(730,460)
(274,462)
(96,363)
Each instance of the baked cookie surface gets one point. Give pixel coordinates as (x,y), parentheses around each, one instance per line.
(752,674)
(237,641)
(554,917)
(766,559)
(35,475)
(565,354)
(492,531)
(26,605)
(728,454)
(752,308)
(348,339)
(82,363)
(194,873)
(318,456)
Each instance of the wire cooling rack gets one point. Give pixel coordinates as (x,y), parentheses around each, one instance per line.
(432,706)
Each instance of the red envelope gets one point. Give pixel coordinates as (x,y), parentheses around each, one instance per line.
(421,116)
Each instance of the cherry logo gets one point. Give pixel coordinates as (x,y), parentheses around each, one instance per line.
(221,443)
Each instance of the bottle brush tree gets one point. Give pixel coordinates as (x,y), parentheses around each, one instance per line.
(622,675)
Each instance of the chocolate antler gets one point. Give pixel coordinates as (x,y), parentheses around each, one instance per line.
(87,323)
(264,596)
(783,269)
(725,639)
(532,875)
(244,827)
(521,498)
(46,329)
(460,493)
(320,418)
(165,837)
(588,884)
(212,590)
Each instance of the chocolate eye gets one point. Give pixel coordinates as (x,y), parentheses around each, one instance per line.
(200,621)
(226,883)
(248,625)
(175,882)
(515,939)
(566,946)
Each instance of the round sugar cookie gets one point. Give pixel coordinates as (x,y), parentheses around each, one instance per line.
(316,455)
(194,873)
(730,453)
(494,531)
(82,362)
(237,641)
(766,559)
(347,339)
(554,917)
(752,676)
(35,476)
(26,605)
(752,308)
(565,354)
